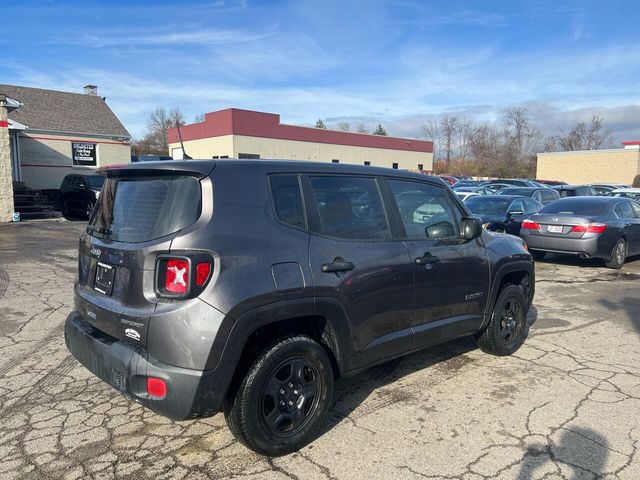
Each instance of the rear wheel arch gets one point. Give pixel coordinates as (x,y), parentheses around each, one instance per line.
(519,273)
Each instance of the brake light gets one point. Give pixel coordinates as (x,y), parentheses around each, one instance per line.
(202,273)
(530,225)
(590,228)
(177,276)
(156,387)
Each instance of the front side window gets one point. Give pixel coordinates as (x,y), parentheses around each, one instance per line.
(424,209)
(530,206)
(287,201)
(350,207)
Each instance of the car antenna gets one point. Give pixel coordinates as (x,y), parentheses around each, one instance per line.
(185,155)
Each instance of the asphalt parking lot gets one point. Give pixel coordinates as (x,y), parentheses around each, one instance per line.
(567,405)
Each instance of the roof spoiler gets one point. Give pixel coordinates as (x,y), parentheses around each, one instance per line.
(198,168)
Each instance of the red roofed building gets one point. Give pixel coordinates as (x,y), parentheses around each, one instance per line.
(235,133)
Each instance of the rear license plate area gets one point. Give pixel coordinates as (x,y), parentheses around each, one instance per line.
(554,228)
(105,275)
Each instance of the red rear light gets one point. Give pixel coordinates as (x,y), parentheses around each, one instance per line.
(590,228)
(202,273)
(530,225)
(156,387)
(177,276)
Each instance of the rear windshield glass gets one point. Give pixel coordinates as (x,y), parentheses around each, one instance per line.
(575,207)
(488,205)
(95,181)
(145,208)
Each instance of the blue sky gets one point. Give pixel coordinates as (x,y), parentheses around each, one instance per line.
(396,62)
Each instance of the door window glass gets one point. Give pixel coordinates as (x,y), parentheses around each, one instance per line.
(530,206)
(350,207)
(517,206)
(425,210)
(636,209)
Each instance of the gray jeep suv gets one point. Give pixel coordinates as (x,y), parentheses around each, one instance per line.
(249,286)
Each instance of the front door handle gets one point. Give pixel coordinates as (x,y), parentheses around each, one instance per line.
(427,259)
(338,265)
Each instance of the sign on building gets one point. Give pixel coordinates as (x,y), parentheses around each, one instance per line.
(83,153)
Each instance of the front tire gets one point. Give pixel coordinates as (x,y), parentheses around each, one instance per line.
(618,256)
(507,328)
(284,397)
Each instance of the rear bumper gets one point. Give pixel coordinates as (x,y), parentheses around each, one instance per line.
(589,247)
(190,393)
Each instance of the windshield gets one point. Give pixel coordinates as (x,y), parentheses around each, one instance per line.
(515,191)
(145,208)
(575,207)
(488,205)
(95,181)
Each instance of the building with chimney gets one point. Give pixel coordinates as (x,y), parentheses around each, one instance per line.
(51,133)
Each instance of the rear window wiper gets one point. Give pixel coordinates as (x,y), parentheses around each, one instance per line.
(100,230)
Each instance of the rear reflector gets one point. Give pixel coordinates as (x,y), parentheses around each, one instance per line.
(590,228)
(202,273)
(156,387)
(530,225)
(177,276)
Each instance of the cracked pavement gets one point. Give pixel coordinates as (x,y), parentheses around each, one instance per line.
(566,405)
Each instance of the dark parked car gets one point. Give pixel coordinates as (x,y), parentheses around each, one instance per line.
(575,190)
(516,182)
(600,227)
(79,193)
(550,182)
(606,188)
(502,213)
(249,286)
(542,195)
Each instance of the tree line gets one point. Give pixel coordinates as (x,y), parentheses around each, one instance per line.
(505,148)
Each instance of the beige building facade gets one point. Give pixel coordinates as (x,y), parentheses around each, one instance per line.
(618,165)
(237,133)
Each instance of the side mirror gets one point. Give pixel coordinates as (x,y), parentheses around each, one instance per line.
(470,228)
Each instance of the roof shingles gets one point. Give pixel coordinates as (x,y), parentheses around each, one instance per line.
(63,111)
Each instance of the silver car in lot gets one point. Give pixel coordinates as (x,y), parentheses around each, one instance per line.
(590,227)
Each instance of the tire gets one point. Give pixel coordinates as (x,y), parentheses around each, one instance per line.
(273,411)
(618,255)
(537,254)
(507,329)
(65,209)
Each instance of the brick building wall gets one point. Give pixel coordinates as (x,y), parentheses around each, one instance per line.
(6,186)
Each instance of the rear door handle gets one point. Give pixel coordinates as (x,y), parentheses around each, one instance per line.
(427,259)
(338,265)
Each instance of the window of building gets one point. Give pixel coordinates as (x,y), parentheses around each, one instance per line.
(367,163)
(420,167)
(224,156)
(287,201)
(335,160)
(395,165)
(350,207)
(425,210)
(249,155)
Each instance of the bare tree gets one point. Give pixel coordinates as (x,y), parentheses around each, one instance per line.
(465,133)
(585,136)
(155,140)
(448,131)
(198,118)
(362,128)
(431,131)
(344,126)
(320,124)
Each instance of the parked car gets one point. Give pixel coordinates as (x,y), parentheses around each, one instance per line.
(550,182)
(590,227)
(497,186)
(632,193)
(478,190)
(79,192)
(575,190)
(302,273)
(503,213)
(542,195)
(467,183)
(514,182)
(606,188)
(464,195)
(449,179)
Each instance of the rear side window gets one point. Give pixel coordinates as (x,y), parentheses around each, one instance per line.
(425,210)
(145,208)
(287,200)
(624,210)
(350,207)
